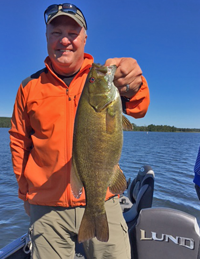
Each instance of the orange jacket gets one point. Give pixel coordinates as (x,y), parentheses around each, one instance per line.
(42,131)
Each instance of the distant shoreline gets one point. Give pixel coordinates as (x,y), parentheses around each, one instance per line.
(5,123)
(163,128)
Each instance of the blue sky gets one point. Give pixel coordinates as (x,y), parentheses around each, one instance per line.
(162,35)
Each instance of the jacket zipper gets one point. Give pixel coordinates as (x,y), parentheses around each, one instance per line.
(67,92)
(68,194)
(75,101)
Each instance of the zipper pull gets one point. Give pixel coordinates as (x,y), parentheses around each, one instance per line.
(75,101)
(67,93)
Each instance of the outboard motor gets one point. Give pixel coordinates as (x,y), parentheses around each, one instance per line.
(165,233)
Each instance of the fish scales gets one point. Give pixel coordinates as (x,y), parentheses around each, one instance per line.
(97,145)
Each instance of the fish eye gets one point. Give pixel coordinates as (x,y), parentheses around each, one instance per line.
(92,79)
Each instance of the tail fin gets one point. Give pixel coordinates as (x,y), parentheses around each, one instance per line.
(93,226)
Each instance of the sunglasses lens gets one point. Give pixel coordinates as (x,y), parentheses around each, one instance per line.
(69,8)
(51,10)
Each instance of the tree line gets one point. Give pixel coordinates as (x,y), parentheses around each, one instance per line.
(163,128)
(5,123)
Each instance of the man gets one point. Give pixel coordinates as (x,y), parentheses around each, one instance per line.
(41,139)
(197,174)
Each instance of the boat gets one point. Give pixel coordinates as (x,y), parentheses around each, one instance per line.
(154,232)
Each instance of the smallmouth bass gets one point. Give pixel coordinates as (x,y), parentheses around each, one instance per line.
(97,145)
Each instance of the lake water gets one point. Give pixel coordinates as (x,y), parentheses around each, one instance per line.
(171,156)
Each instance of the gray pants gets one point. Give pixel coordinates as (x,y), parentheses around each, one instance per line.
(55,232)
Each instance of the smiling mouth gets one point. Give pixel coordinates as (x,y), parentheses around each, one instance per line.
(65,50)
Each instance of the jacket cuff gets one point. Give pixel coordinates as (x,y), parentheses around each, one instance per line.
(22,196)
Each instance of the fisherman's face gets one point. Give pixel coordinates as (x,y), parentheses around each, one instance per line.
(66,40)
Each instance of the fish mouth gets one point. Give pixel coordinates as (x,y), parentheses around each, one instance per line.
(101,70)
(107,72)
(102,91)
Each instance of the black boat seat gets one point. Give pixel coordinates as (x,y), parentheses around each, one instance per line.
(140,193)
(165,233)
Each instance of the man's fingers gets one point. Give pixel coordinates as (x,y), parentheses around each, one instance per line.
(112,61)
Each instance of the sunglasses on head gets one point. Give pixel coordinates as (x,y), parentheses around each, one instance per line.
(66,8)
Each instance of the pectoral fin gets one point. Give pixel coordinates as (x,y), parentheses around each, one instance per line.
(118,182)
(75,181)
(126,124)
(110,120)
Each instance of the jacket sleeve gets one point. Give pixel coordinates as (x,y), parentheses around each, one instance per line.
(138,105)
(20,141)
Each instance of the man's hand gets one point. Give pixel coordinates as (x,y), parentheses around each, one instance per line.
(27,207)
(128,73)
